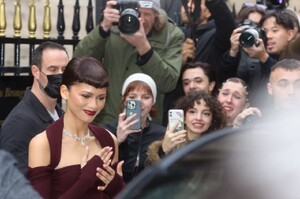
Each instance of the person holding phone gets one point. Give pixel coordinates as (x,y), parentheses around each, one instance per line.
(202,115)
(133,142)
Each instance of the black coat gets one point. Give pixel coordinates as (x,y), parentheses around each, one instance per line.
(134,149)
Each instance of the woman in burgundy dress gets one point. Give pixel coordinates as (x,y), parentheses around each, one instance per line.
(72,158)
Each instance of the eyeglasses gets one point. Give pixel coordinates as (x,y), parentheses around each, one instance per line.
(252,5)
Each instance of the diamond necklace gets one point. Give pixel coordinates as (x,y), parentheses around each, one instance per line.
(79,139)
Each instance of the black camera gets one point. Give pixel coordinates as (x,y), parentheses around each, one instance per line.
(250,34)
(129,16)
(276,4)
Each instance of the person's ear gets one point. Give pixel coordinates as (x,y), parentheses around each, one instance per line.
(211,86)
(64,92)
(291,34)
(35,71)
(270,89)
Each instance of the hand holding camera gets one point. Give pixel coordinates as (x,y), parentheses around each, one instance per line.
(234,41)
(110,16)
(251,32)
(258,51)
(129,16)
(124,14)
(138,40)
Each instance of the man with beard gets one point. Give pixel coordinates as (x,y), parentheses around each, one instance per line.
(38,108)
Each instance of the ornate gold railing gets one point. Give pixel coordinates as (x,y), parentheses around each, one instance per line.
(31,41)
(14,78)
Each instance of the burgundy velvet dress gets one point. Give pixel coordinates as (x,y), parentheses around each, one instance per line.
(72,182)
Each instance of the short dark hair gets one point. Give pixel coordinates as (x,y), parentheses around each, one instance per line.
(287,64)
(37,56)
(282,18)
(85,70)
(207,69)
(186,102)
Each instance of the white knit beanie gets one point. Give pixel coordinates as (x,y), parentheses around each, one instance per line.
(143,78)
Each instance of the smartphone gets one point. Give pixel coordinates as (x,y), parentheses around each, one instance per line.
(176,115)
(134,106)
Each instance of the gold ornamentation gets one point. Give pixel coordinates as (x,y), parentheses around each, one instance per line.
(32,20)
(17,19)
(47,20)
(2,18)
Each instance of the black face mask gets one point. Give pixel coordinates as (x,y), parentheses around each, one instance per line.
(52,88)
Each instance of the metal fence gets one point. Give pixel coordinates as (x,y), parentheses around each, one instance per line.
(15,77)
(30,43)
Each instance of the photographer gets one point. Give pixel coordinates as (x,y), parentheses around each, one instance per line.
(279,27)
(236,62)
(154,49)
(210,39)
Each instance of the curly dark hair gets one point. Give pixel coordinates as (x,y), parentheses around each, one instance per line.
(188,101)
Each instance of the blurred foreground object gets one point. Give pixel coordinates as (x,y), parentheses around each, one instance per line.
(248,163)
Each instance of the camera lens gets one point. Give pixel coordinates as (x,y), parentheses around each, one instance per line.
(129,21)
(248,38)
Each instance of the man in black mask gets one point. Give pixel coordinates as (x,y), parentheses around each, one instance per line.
(38,108)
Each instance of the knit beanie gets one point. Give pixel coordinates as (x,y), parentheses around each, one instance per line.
(143,78)
(154,4)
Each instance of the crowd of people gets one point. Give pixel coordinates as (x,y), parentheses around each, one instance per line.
(198,63)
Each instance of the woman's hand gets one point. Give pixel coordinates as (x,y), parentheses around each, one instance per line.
(105,155)
(107,174)
(239,120)
(124,124)
(173,139)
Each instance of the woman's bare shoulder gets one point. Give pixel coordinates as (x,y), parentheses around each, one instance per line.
(39,151)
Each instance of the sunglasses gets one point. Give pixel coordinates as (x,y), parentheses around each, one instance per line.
(251,5)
